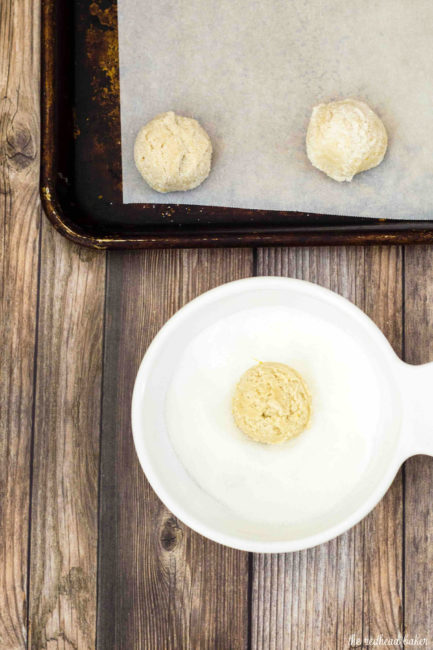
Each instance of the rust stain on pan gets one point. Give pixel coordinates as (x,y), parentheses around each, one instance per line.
(76,131)
(102,53)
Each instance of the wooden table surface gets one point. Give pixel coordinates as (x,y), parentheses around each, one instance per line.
(88,554)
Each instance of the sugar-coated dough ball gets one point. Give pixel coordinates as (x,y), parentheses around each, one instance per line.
(271,403)
(345,138)
(173,153)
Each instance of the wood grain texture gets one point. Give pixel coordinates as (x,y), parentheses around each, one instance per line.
(20,221)
(419,469)
(383,528)
(161,585)
(352,585)
(66,446)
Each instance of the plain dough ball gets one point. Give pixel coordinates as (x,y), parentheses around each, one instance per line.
(271,403)
(173,153)
(345,138)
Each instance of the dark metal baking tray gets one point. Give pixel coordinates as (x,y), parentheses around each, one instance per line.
(81,172)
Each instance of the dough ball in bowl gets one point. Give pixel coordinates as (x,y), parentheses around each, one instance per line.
(345,138)
(272,403)
(173,153)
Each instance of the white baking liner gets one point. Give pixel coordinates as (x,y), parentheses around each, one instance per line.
(251,72)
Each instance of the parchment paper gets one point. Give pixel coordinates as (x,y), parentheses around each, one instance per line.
(251,72)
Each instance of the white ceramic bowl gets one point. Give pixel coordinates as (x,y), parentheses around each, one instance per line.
(405,402)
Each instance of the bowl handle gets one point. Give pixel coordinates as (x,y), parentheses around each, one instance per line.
(417,391)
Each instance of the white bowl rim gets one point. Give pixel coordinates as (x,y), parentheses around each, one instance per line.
(177,508)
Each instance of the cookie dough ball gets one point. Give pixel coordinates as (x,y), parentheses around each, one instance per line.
(271,403)
(173,153)
(345,138)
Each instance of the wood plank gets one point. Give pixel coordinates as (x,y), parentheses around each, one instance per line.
(20,221)
(383,528)
(160,584)
(352,585)
(66,446)
(418,344)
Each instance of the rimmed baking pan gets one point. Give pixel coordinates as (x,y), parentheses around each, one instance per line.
(81,169)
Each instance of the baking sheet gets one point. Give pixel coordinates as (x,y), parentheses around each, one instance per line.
(251,72)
